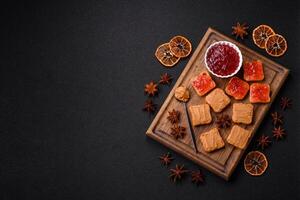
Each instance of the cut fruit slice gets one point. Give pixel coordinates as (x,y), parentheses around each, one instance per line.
(260,35)
(203,83)
(165,56)
(255,163)
(237,88)
(253,71)
(259,93)
(276,45)
(180,46)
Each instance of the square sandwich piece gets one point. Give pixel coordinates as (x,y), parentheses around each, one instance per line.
(242,113)
(253,71)
(217,100)
(237,88)
(200,114)
(238,137)
(260,93)
(211,140)
(203,83)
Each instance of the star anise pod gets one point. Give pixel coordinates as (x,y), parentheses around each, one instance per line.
(197,177)
(285,103)
(240,30)
(174,116)
(178,131)
(223,121)
(166,158)
(264,141)
(278,133)
(149,106)
(177,173)
(151,88)
(165,79)
(277,118)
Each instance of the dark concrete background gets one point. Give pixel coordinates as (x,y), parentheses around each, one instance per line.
(71,95)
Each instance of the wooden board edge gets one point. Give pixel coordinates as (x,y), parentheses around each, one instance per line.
(250,50)
(179,80)
(226,176)
(188,156)
(232,169)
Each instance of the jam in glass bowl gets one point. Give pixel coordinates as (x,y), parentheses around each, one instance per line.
(223,59)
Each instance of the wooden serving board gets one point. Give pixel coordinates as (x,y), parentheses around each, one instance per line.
(221,162)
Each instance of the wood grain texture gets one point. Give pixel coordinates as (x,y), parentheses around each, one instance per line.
(221,162)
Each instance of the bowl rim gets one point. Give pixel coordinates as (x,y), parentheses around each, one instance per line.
(235,47)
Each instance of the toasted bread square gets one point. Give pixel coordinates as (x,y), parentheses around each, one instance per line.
(259,93)
(237,88)
(200,114)
(217,100)
(253,71)
(211,140)
(203,83)
(238,137)
(242,113)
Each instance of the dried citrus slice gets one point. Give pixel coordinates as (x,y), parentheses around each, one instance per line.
(276,45)
(260,35)
(180,46)
(255,163)
(165,56)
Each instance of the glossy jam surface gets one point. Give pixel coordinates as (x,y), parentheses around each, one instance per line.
(222,59)
(237,88)
(253,71)
(259,93)
(203,83)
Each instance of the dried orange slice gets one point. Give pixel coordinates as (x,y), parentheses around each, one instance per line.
(276,45)
(165,56)
(255,163)
(180,46)
(260,35)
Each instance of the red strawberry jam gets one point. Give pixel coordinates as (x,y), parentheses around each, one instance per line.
(222,59)
(237,88)
(259,93)
(253,71)
(203,83)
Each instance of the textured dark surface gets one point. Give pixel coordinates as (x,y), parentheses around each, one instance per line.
(71,95)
